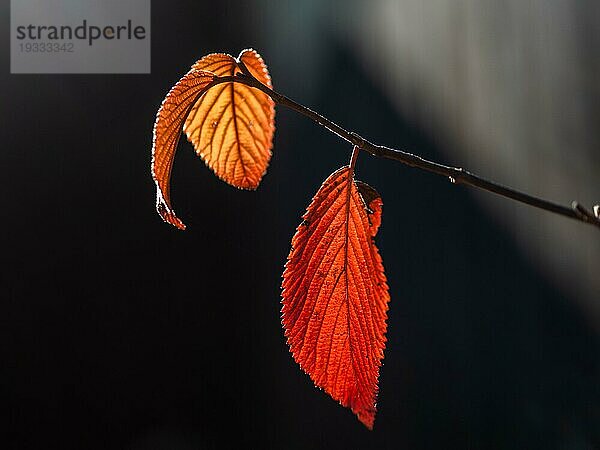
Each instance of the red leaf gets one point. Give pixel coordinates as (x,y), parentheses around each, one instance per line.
(335,294)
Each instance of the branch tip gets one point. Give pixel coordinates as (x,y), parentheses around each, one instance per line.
(586,215)
(456,175)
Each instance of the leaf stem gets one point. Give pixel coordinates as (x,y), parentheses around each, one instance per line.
(353,157)
(456,175)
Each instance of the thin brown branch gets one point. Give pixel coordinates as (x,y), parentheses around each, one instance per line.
(456,175)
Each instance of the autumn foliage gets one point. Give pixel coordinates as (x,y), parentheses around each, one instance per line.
(334,291)
(231,125)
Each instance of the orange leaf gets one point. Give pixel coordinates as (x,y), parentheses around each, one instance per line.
(335,294)
(232,125)
(167,129)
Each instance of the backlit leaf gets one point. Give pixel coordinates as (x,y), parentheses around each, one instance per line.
(167,130)
(335,294)
(231,126)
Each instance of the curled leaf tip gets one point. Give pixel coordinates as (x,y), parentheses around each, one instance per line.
(167,214)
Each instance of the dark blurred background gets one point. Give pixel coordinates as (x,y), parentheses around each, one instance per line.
(118,331)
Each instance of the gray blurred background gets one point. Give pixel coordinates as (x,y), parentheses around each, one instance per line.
(507,89)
